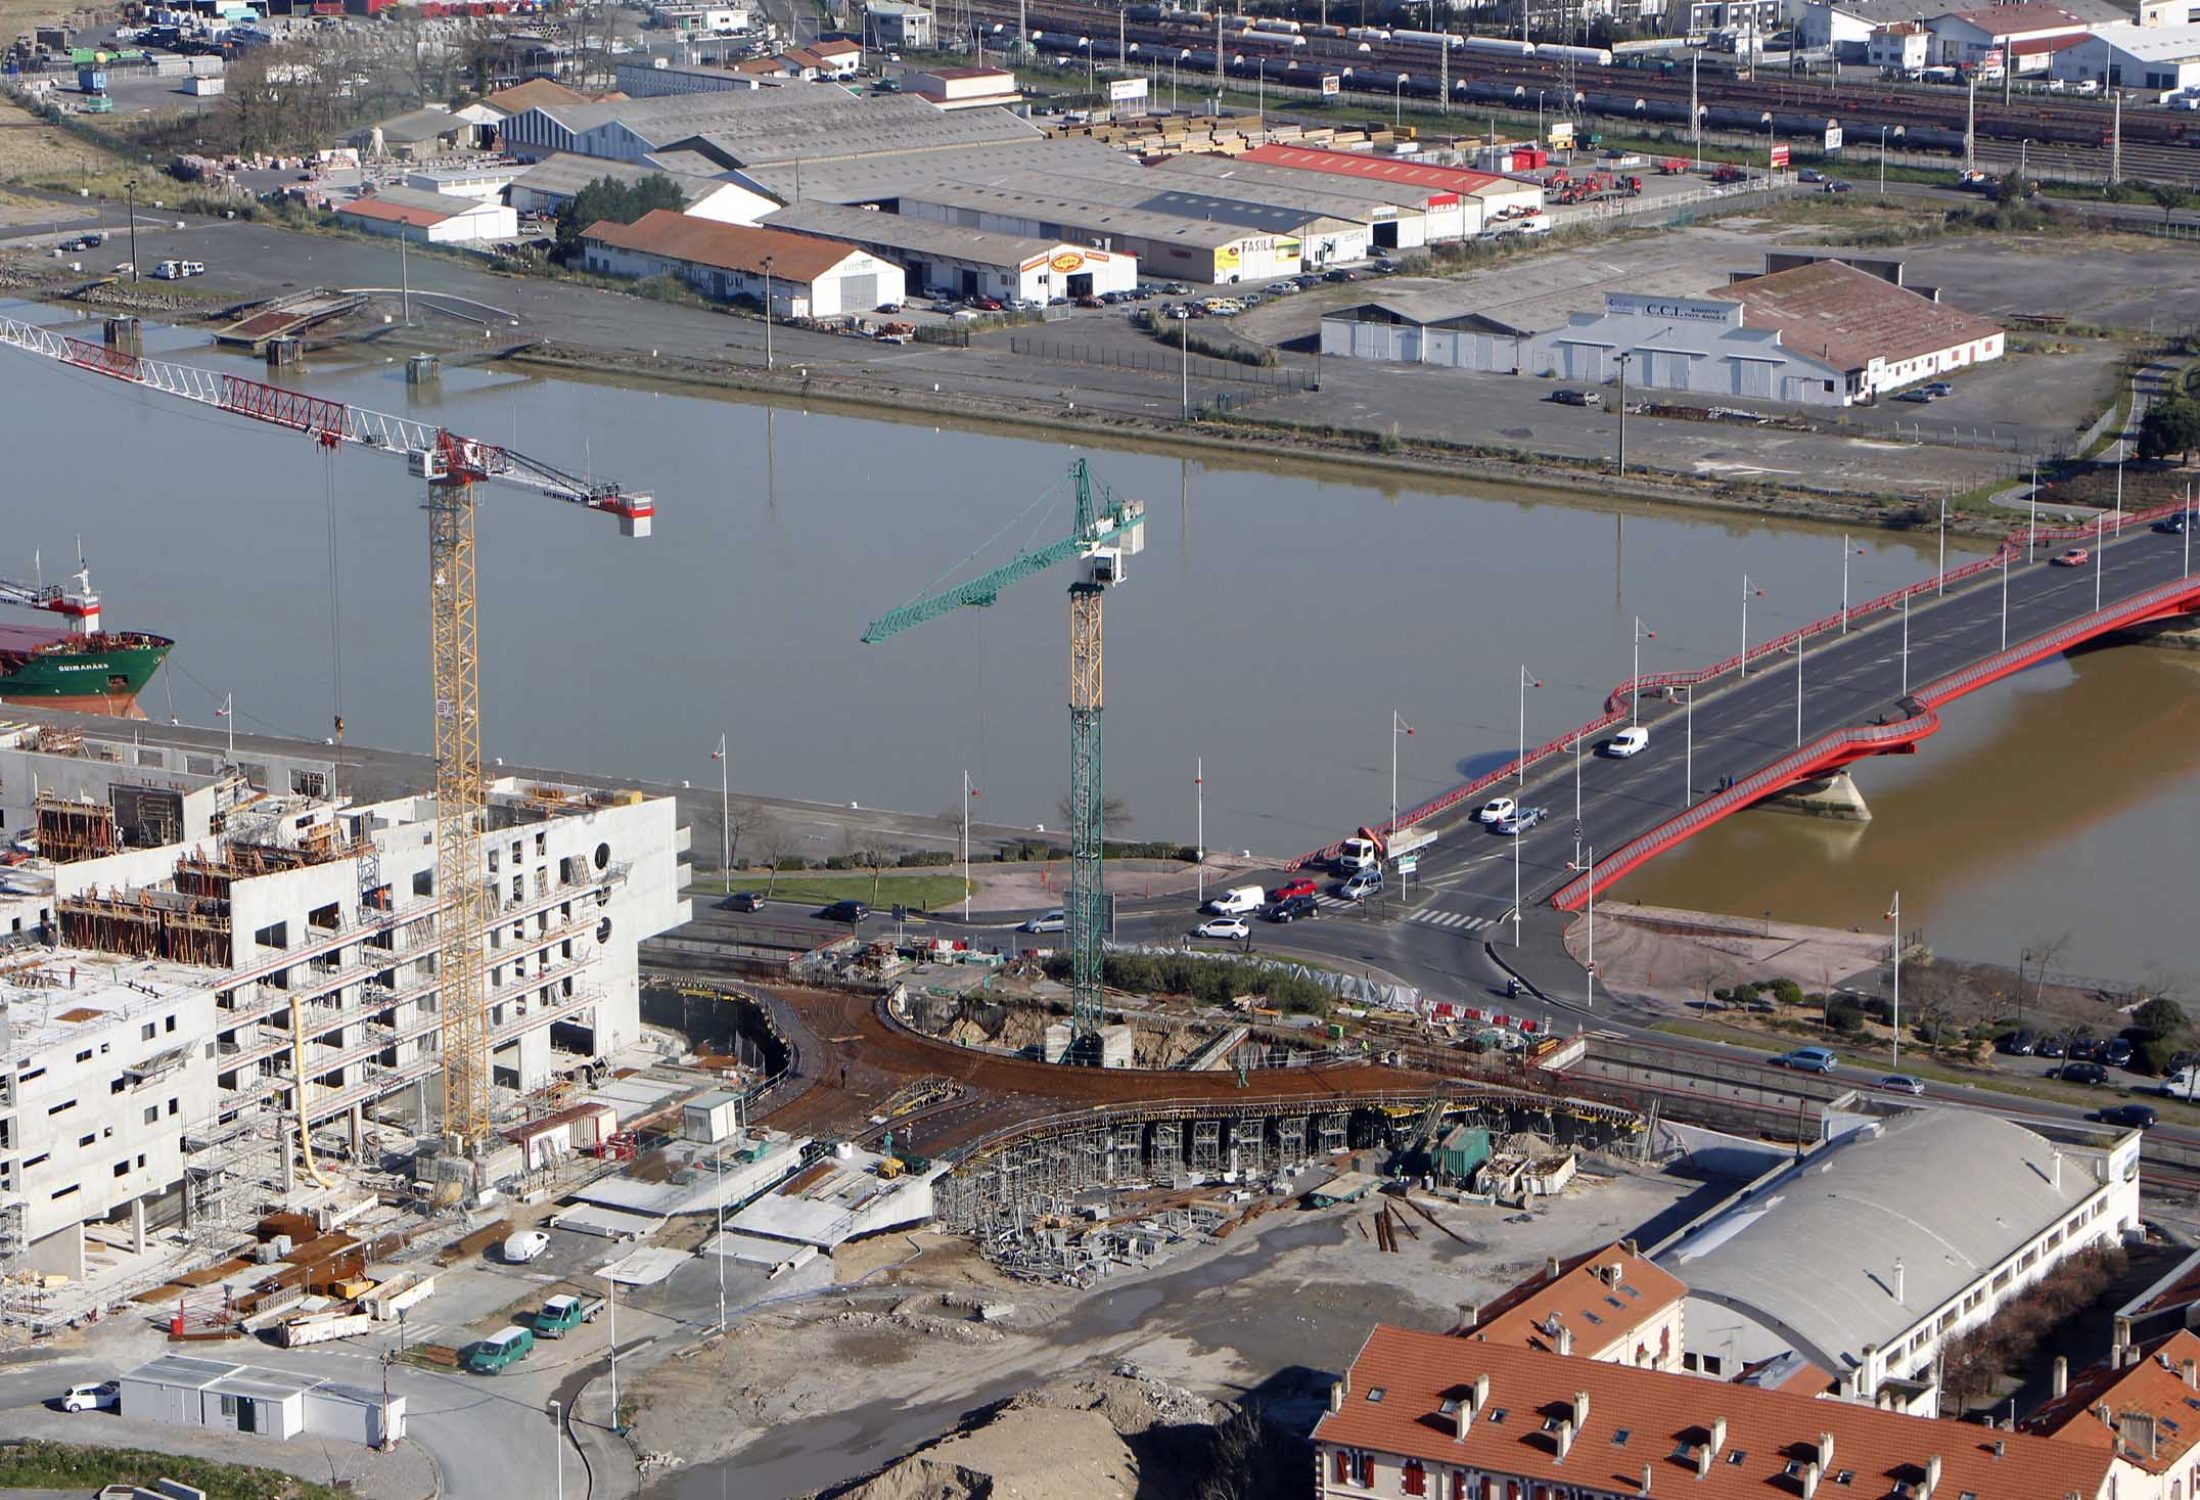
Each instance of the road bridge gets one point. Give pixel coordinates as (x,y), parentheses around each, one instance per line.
(1866,681)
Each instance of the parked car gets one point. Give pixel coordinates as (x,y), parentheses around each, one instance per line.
(850,912)
(1283,288)
(1237,901)
(1307,281)
(2081,1072)
(745,901)
(2017,1044)
(2116,1052)
(1919,396)
(524,1246)
(1628,743)
(83,242)
(2072,557)
(1223,927)
(1937,388)
(506,1347)
(1361,884)
(2130,1116)
(1302,886)
(102,1395)
(1291,910)
(1838,187)
(1053,921)
(1340,275)
(1569,396)
(1496,810)
(1810,174)
(1902,1083)
(2083,1049)
(1808,1060)
(1521,821)
(2051,1046)
(177,270)
(889,307)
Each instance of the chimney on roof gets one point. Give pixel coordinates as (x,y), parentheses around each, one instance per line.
(1901,1279)
(1703,1461)
(1718,1436)
(1811,1475)
(1336,1395)
(1627,1247)
(1470,1313)
(1932,1478)
(1481,1392)
(1581,1409)
(2192,1374)
(1645,1479)
(1462,1418)
(1565,1339)
(1825,1450)
(2059,1382)
(1550,1269)
(2001,1448)
(1565,1436)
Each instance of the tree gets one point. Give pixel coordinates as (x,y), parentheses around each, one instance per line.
(2171,425)
(2160,1017)
(1115,814)
(2014,187)
(619,202)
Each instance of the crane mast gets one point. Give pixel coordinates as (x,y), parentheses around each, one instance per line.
(453,468)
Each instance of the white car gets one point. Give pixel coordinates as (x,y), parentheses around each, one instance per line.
(1223,927)
(1628,743)
(1496,810)
(524,1246)
(1053,921)
(104,1395)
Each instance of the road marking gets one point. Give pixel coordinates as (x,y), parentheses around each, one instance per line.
(1449,919)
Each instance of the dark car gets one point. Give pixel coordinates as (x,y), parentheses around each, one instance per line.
(2171,525)
(2083,1049)
(2018,1044)
(2134,1116)
(2051,1046)
(1292,909)
(850,912)
(1341,274)
(745,901)
(2116,1052)
(2082,1072)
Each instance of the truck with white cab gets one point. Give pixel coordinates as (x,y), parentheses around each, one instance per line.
(1367,849)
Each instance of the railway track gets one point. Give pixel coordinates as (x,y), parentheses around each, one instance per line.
(2072,135)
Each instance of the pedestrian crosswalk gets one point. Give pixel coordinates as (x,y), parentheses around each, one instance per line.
(1335,903)
(1429,917)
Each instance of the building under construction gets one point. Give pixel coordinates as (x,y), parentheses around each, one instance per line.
(185,1014)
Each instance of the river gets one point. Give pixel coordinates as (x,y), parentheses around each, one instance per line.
(1280,612)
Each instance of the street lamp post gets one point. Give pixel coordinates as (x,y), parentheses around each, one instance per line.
(1398,102)
(968,795)
(1747,590)
(1882,161)
(2097,516)
(767,312)
(1398,726)
(1589,967)
(129,193)
(1894,915)
(1199,798)
(725,811)
(1848,549)
(1520,765)
(1799,640)
(2005,555)
(1634,683)
(1905,645)
(557,1442)
(1940,578)
(1688,750)
(1623,413)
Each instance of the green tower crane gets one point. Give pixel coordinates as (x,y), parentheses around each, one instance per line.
(1107,531)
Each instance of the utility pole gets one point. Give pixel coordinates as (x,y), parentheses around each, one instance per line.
(1184,364)
(967,795)
(767,313)
(2116,143)
(1970,127)
(1199,837)
(129,192)
(725,811)
(1894,915)
(1695,110)
(404,276)
(1623,413)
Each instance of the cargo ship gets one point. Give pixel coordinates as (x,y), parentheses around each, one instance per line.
(77,666)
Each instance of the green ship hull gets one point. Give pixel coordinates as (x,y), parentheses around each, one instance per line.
(99,673)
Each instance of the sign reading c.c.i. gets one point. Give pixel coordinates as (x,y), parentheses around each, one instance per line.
(1067,261)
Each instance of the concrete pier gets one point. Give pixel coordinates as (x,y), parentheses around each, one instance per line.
(1832,796)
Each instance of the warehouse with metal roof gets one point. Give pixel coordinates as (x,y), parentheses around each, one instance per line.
(801,276)
(950,260)
(1869,1253)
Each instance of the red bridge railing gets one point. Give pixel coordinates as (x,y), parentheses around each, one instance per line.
(1621,698)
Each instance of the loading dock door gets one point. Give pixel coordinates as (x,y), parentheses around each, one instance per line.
(1386,235)
(1080,285)
(1585,362)
(1753,377)
(859,293)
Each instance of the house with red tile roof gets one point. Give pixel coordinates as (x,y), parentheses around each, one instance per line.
(1610,1304)
(805,276)
(1452,1418)
(2143,1409)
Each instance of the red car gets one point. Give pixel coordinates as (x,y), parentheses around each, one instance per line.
(1290,888)
(2075,557)
(986,304)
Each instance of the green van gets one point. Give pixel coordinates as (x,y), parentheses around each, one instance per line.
(507,1346)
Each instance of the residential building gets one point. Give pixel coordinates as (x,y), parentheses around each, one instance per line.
(185,982)
(1453,1419)
(2142,1409)
(1901,48)
(961,262)
(1612,1305)
(716,19)
(430,218)
(1868,1254)
(807,277)
(2158,60)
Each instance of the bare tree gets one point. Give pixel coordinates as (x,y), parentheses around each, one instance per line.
(777,842)
(1115,814)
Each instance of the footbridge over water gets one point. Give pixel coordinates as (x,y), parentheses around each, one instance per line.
(1792,711)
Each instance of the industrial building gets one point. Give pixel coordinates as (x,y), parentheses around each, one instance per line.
(1455,203)
(1442,1416)
(198,995)
(553,182)
(1858,317)
(957,262)
(1904,1230)
(1982,38)
(962,88)
(430,218)
(892,25)
(662,79)
(807,277)
(2161,60)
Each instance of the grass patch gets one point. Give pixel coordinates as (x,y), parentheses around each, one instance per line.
(918,892)
(41,1465)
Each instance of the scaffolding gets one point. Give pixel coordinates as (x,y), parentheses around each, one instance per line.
(234,1170)
(143,923)
(70,830)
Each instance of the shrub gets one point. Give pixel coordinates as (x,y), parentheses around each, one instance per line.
(924,857)
(1844,1014)
(2157,1054)
(1787,992)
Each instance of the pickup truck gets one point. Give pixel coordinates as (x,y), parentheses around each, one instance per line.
(562,1314)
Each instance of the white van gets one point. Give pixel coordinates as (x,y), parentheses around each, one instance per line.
(1238,900)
